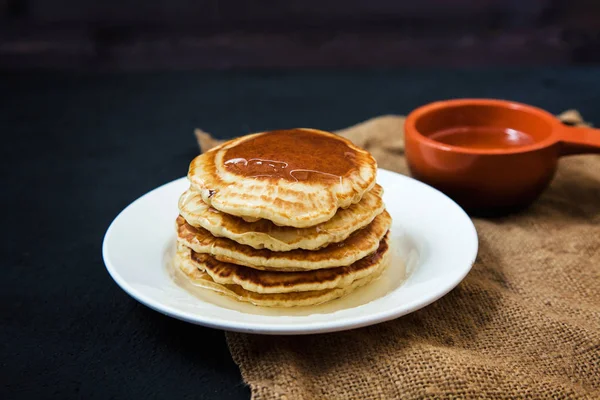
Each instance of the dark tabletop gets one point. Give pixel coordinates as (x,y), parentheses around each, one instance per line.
(77,148)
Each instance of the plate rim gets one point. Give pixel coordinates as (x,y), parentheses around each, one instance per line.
(307,327)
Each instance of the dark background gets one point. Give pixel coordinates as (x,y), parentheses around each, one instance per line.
(98,102)
(189,34)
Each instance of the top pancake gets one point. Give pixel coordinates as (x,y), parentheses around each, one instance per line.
(297,177)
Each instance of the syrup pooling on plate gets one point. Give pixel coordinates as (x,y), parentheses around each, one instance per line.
(294,155)
(402,263)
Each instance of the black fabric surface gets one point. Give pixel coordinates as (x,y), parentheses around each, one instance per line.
(76,149)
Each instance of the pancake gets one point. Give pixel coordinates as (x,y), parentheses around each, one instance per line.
(200,278)
(259,281)
(297,177)
(265,234)
(358,245)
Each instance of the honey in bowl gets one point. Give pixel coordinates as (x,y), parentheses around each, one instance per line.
(482,137)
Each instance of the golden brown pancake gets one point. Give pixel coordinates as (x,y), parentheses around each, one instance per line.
(184,262)
(297,177)
(259,281)
(265,234)
(358,245)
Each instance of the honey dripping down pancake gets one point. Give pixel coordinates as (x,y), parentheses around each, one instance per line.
(358,245)
(297,178)
(265,234)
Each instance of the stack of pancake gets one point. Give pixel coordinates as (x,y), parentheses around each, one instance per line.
(283,218)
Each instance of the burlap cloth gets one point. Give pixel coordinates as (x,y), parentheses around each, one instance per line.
(525,323)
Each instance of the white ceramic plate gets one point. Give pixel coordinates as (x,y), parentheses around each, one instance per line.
(434,238)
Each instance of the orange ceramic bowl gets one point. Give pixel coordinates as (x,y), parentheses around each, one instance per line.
(490,156)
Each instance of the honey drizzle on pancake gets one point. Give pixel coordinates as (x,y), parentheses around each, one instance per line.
(294,155)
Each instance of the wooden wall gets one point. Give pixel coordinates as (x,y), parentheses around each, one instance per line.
(184,34)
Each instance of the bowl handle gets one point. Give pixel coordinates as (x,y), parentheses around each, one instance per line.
(579,140)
